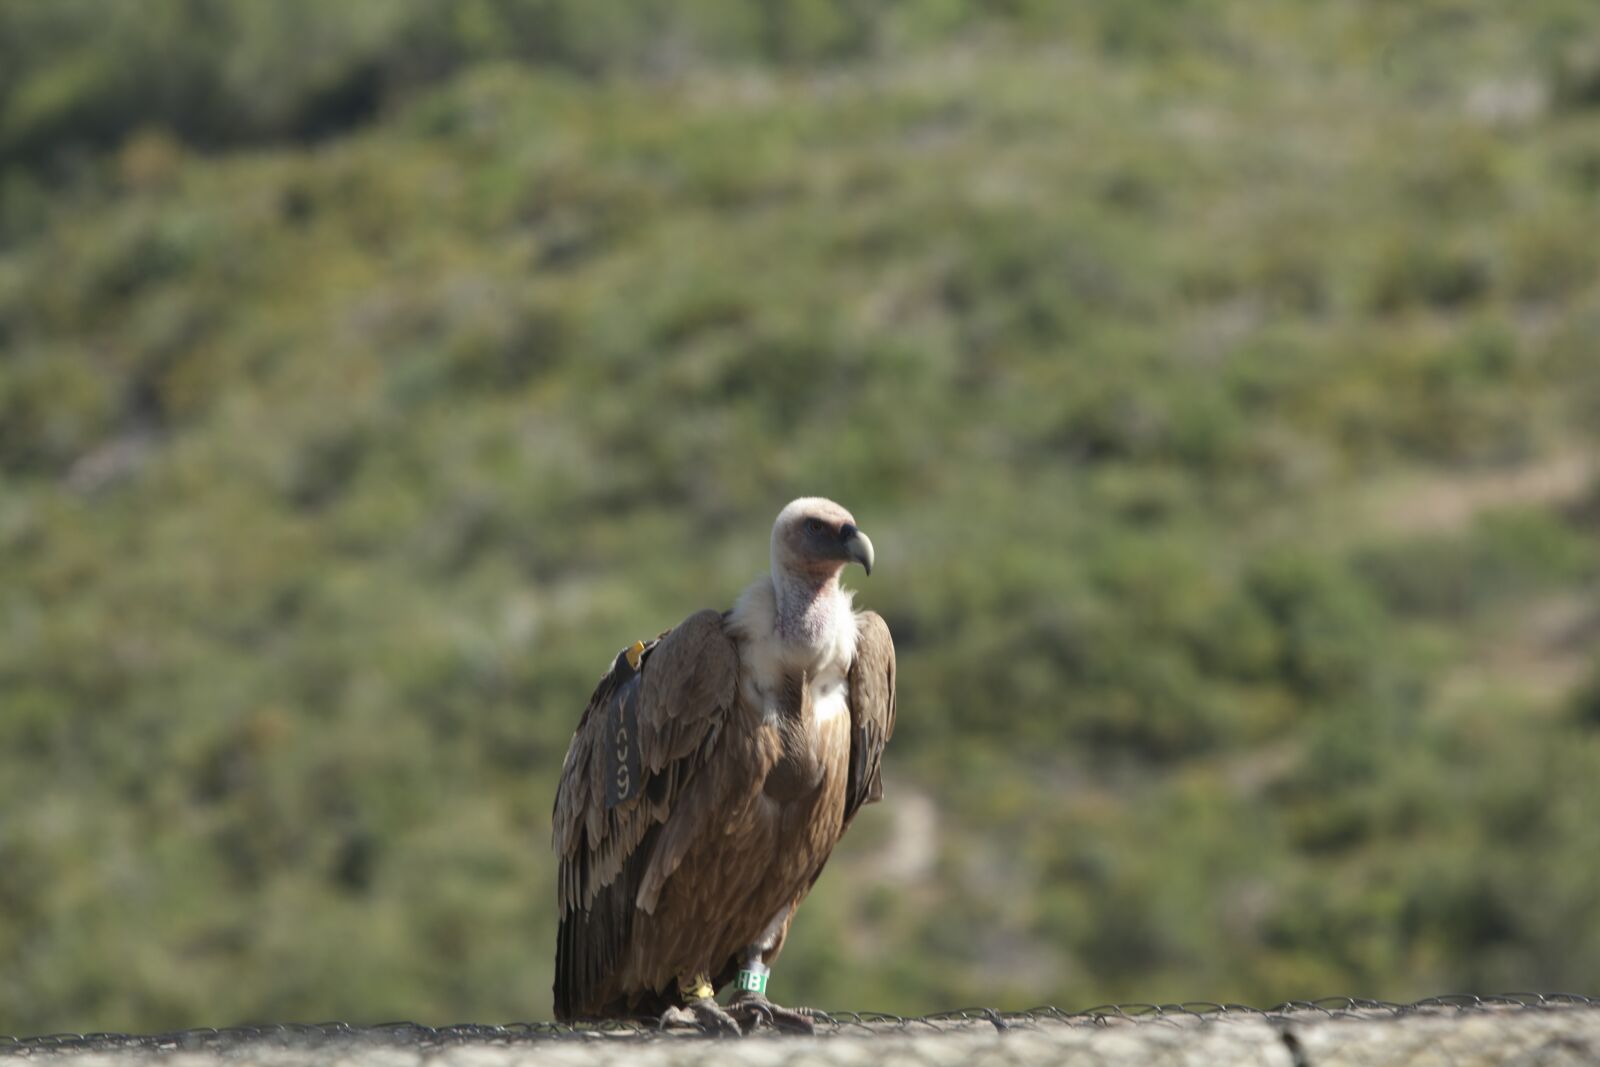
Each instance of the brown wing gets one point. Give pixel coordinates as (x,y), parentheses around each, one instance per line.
(871,711)
(642,737)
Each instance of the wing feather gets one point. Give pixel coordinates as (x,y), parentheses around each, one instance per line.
(872,706)
(681,693)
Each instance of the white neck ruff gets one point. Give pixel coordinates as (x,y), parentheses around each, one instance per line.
(789,625)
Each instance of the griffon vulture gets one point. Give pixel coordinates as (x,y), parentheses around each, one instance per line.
(711,775)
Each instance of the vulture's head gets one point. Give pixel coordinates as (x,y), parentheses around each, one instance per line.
(817,538)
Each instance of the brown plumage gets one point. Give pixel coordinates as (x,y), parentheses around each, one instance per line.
(712,774)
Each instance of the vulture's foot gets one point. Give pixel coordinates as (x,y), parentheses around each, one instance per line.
(752,1009)
(706,1015)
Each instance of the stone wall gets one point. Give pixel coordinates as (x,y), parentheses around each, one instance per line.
(1525,1037)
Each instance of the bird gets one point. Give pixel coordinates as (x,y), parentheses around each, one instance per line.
(712,773)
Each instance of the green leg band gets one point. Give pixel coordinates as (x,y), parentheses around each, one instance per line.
(752,981)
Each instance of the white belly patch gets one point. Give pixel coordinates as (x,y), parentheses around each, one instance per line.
(829,699)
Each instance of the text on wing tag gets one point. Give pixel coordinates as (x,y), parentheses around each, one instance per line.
(622,744)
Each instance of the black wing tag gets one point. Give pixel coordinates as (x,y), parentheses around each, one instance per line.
(622,741)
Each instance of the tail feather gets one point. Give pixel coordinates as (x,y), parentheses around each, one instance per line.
(591,945)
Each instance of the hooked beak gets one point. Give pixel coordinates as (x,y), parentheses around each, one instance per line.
(857,546)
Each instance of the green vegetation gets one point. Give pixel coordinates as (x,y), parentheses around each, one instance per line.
(1219,383)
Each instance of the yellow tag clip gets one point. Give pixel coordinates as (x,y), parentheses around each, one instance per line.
(696,988)
(635,654)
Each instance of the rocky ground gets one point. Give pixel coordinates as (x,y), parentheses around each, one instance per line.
(1360,1037)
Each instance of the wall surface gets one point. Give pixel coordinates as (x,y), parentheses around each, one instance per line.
(1527,1037)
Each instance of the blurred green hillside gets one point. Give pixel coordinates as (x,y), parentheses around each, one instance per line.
(1220,385)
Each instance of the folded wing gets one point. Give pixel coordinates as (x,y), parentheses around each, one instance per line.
(871,711)
(646,732)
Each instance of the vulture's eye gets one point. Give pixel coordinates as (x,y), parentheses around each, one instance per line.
(813,526)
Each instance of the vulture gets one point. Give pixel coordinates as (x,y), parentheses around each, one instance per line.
(710,776)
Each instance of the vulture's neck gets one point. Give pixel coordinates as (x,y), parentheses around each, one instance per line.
(788,622)
(808,607)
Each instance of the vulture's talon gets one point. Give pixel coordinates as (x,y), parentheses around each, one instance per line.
(754,1009)
(675,1017)
(707,1014)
